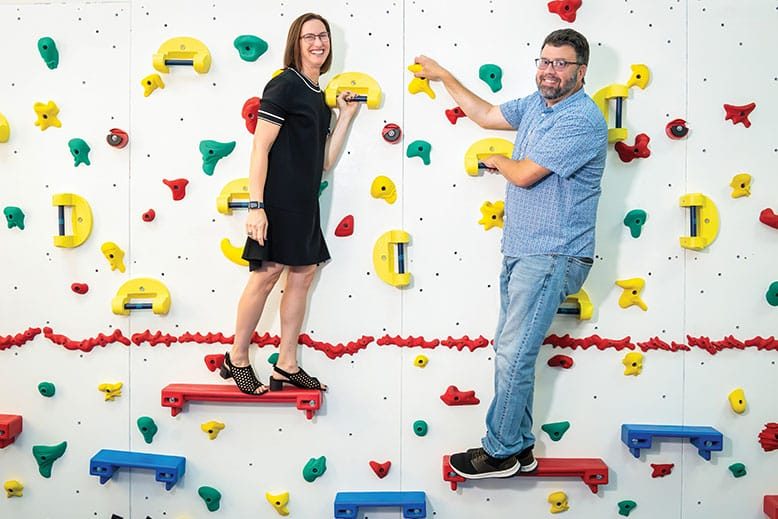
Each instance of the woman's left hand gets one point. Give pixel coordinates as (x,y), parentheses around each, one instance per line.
(345,107)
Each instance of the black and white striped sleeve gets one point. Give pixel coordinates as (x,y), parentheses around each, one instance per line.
(275,101)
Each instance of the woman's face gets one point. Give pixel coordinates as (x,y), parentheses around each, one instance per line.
(314,44)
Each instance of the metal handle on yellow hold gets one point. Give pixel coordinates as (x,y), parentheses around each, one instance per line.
(585,306)
(230,195)
(279,502)
(182,51)
(359,83)
(485,148)
(601,98)
(703,221)
(141,288)
(80,218)
(384,258)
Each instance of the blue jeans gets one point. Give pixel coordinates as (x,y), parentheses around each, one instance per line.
(531,290)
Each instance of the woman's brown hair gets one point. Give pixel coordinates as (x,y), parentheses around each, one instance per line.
(292,53)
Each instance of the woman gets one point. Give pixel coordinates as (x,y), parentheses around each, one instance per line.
(293,144)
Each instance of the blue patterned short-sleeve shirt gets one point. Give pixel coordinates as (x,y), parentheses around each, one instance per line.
(557,214)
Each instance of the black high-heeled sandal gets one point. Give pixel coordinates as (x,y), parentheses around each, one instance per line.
(243,376)
(299,379)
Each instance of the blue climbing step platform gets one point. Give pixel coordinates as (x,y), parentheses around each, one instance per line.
(640,436)
(168,469)
(347,504)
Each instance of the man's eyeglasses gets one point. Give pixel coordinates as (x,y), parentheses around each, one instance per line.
(557,64)
(310,37)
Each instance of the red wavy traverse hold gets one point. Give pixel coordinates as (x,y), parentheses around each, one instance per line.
(410,342)
(466,342)
(637,151)
(336,350)
(655,343)
(739,114)
(566,9)
(454,396)
(87,345)
(266,339)
(157,338)
(19,339)
(209,338)
(661,469)
(769,437)
(587,342)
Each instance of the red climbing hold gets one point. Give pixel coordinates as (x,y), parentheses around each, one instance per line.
(454,396)
(215,361)
(739,114)
(661,469)
(79,288)
(638,151)
(177,186)
(149,215)
(560,361)
(249,113)
(380,469)
(677,129)
(566,9)
(452,114)
(769,437)
(345,227)
(768,217)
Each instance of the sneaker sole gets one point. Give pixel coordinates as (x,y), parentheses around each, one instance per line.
(529,468)
(499,474)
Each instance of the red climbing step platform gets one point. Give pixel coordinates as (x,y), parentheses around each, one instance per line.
(771,506)
(10,428)
(592,471)
(175,396)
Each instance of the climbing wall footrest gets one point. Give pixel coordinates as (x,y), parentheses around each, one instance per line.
(413,504)
(10,428)
(592,471)
(640,436)
(175,396)
(168,469)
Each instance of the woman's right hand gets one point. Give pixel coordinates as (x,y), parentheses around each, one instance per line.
(256,225)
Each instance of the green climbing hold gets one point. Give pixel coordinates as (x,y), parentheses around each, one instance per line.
(148,428)
(211,496)
(80,151)
(556,430)
(273,359)
(46,455)
(738,470)
(772,294)
(323,186)
(14,216)
(420,428)
(46,389)
(314,468)
(49,52)
(419,149)
(250,47)
(214,151)
(492,76)
(635,220)
(625,507)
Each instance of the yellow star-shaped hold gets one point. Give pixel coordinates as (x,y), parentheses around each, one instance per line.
(47,115)
(212,429)
(111,390)
(493,214)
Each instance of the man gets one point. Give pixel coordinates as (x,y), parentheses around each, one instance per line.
(548,239)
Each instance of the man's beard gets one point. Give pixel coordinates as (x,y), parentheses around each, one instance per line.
(552,93)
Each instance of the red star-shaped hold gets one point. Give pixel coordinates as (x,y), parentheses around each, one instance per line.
(566,9)
(638,151)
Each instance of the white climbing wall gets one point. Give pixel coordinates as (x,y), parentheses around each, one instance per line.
(701,53)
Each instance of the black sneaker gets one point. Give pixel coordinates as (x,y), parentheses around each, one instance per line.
(477,464)
(527,460)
